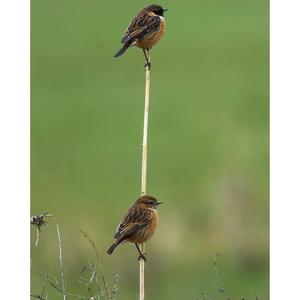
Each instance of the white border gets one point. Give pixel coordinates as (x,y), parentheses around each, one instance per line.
(14,149)
(285,149)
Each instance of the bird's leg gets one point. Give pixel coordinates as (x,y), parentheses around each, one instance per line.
(142,256)
(148,64)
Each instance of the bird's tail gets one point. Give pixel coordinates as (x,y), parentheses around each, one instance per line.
(122,50)
(112,248)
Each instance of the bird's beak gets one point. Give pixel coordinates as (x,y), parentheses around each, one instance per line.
(166,9)
(158,203)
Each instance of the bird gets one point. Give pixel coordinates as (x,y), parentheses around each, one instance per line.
(145,30)
(138,224)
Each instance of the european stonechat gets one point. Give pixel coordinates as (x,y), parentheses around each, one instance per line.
(145,30)
(138,224)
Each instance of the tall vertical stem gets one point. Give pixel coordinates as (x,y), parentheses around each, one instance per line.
(61,262)
(145,133)
(144,168)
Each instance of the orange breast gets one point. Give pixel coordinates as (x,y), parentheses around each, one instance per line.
(146,233)
(152,39)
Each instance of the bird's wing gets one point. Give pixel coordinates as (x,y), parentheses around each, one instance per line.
(135,218)
(140,27)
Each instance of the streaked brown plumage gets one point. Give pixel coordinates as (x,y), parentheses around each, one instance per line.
(138,224)
(145,29)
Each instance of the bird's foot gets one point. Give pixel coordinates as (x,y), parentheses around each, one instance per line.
(143,256)
(148,65)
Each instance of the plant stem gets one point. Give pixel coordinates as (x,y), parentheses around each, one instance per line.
(144,167)
(145,132)
(61,262)
(99,267)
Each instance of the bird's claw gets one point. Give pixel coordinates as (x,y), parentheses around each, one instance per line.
(148,65)
(142,256)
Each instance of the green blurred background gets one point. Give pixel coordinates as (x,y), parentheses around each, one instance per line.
(208,143)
